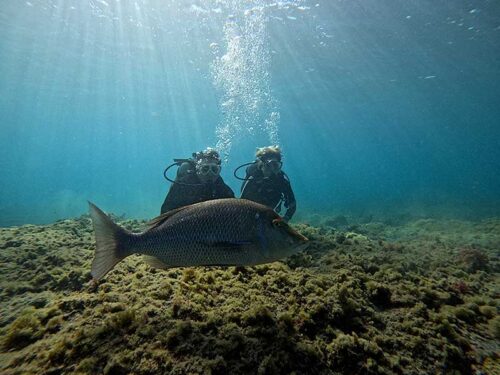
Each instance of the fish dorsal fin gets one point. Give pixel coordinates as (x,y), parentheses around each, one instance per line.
(159,220)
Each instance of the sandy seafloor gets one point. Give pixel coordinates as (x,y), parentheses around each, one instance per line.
(420,297)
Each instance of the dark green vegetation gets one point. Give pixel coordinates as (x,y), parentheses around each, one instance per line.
(373,298)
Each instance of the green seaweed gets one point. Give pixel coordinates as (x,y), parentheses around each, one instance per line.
(494,326)
(23,331)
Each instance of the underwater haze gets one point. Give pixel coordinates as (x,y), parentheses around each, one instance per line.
(379,106)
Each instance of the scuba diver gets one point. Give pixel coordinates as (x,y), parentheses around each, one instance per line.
(266,183)
(198,179)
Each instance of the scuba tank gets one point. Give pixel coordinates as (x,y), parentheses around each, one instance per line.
(235,173)
(179,162)
(208,153)
(279,205)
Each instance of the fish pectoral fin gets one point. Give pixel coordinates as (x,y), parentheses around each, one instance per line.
(155,262)
(227,244)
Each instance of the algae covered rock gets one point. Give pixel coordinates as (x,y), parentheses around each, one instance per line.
(23,331)
(373,299)
(473,259)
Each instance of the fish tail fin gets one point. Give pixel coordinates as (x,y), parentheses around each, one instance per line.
(110,240)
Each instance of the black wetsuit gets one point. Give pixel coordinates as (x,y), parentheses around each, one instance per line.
(181,195)
(269,191)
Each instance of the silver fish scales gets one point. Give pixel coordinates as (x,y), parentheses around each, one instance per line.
(217,232)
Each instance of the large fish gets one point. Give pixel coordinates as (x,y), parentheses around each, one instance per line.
(217,232)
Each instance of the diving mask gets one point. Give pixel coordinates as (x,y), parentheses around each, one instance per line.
(272,164)
(206,169)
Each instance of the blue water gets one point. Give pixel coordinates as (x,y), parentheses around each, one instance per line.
(380,106)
